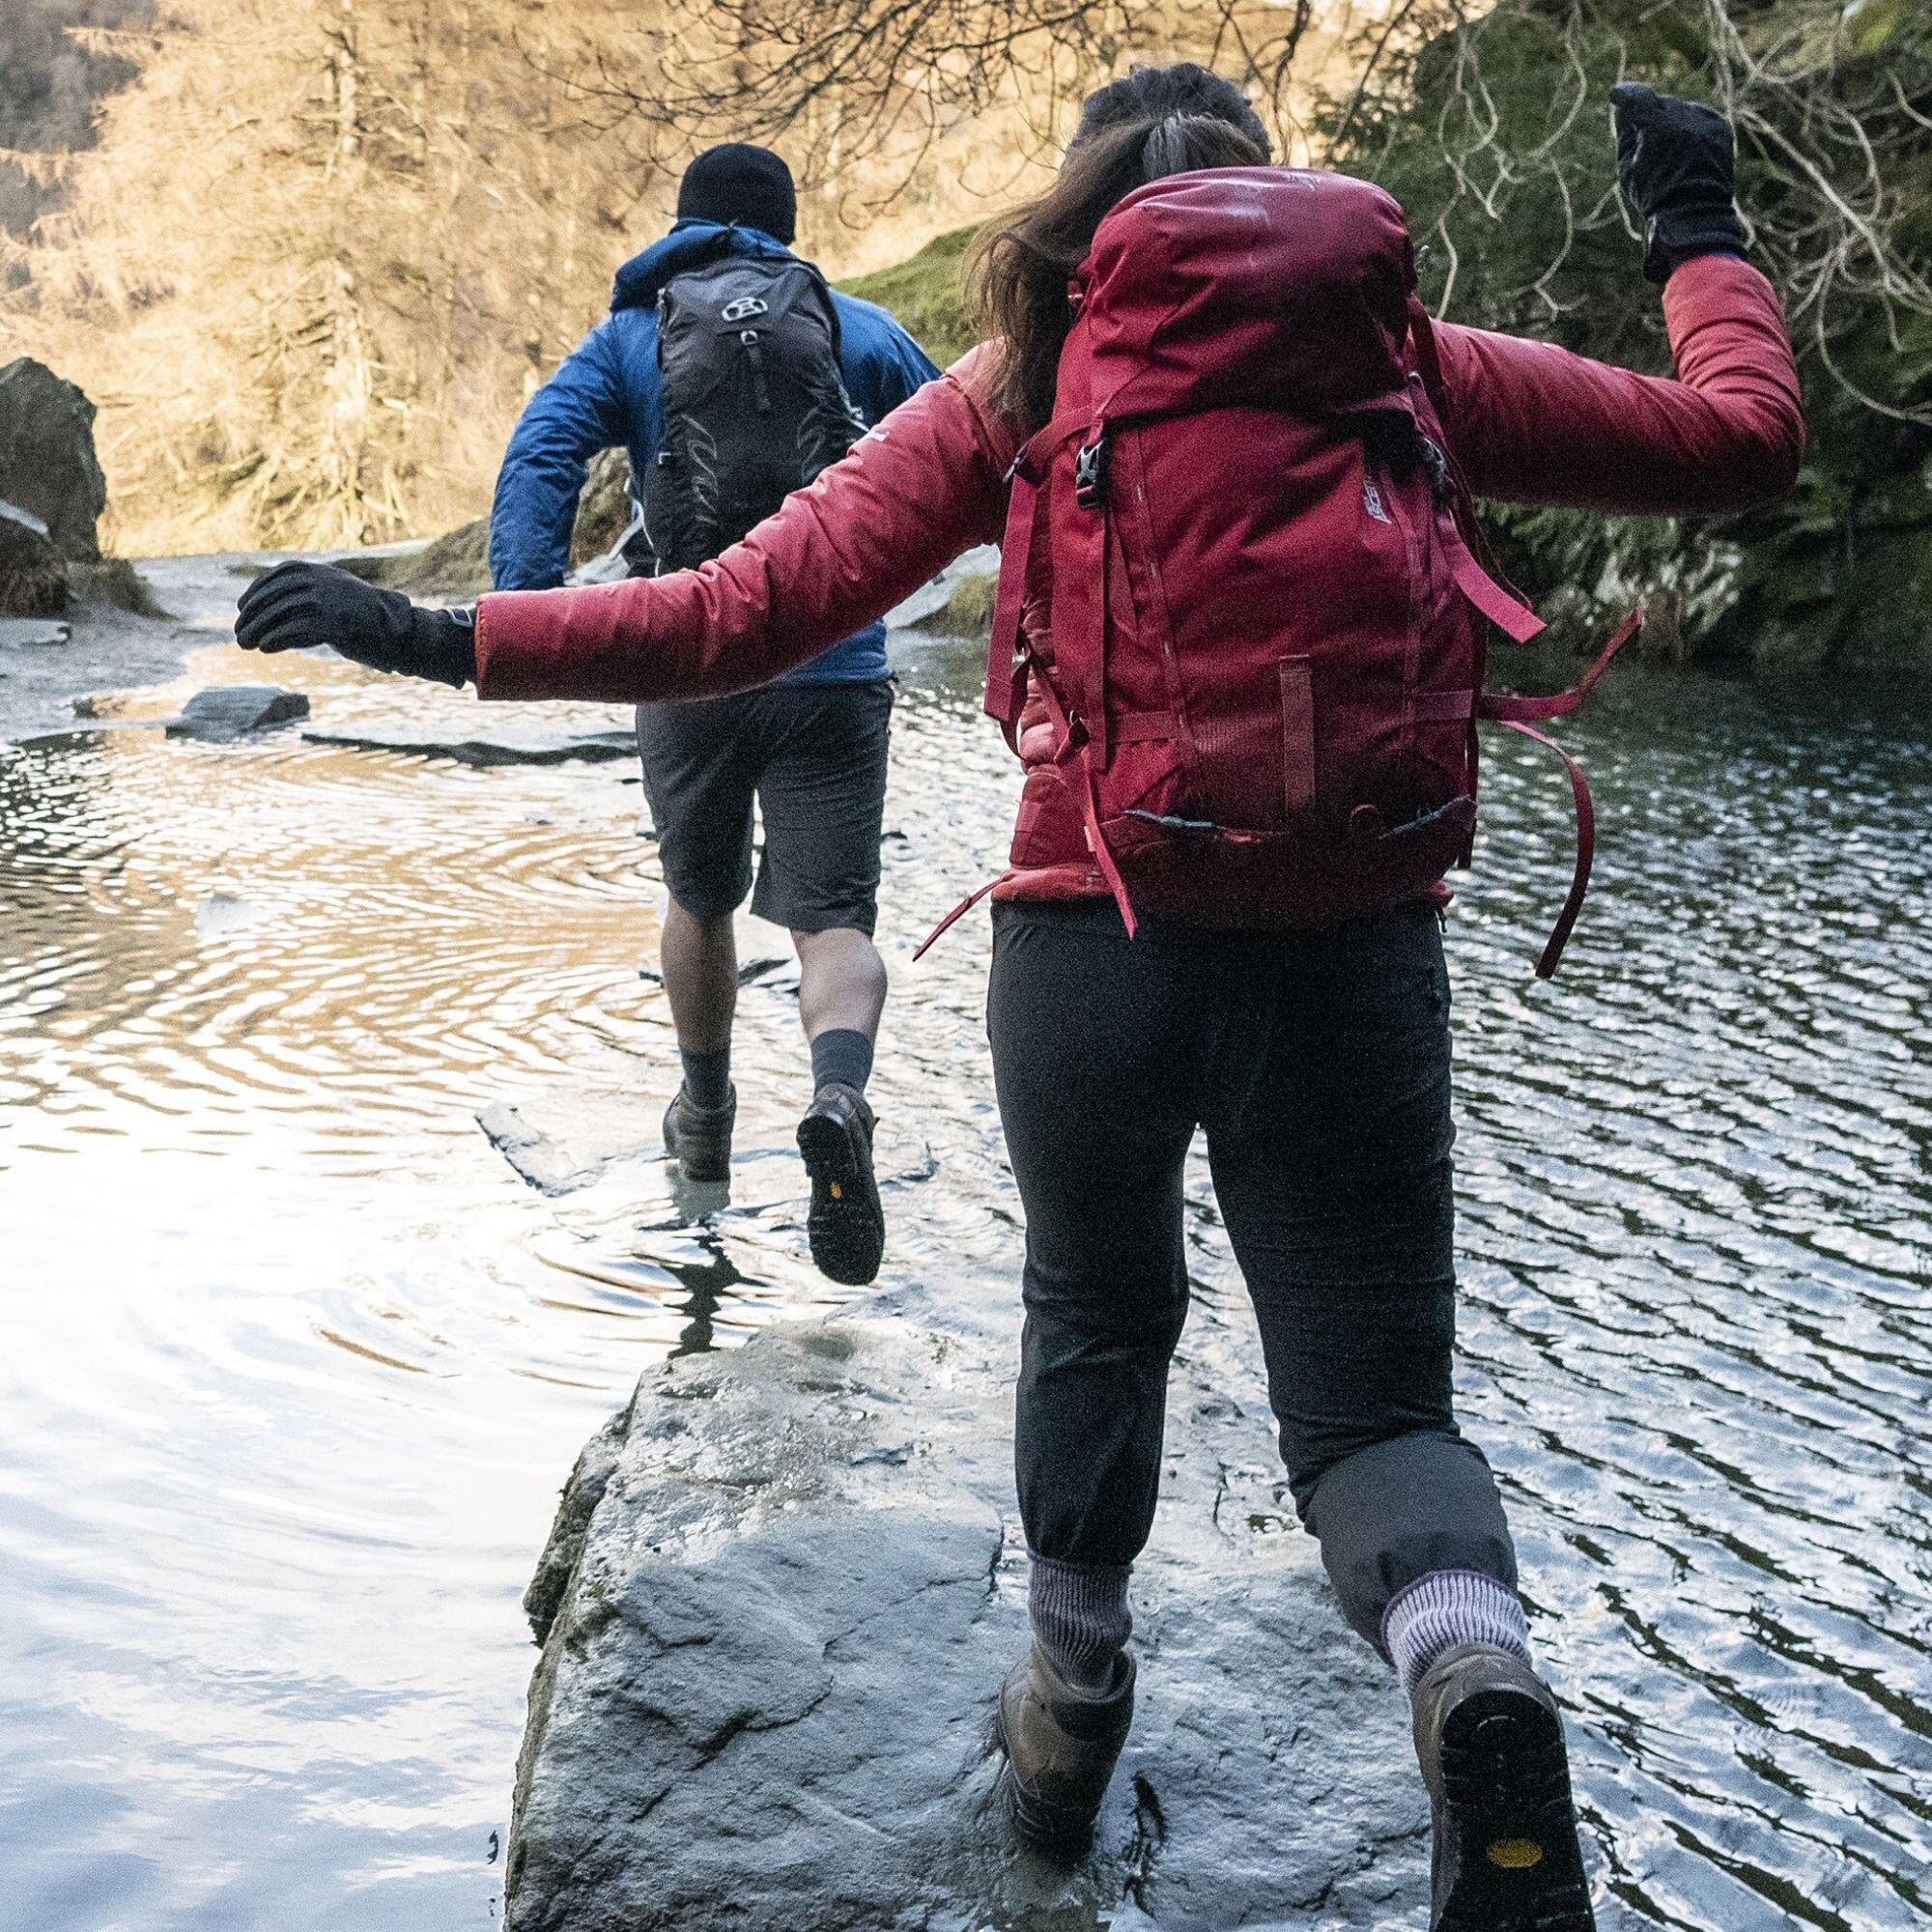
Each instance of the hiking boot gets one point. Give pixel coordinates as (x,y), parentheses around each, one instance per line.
(700,1138)
(1062,1745)
(1490,1741)
(846,1224)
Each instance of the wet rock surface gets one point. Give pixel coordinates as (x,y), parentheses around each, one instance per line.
(783,1587)
(47,463)
(33,573)
(232,711)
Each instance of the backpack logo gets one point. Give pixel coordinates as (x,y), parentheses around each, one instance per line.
(743,308)
(1372,500)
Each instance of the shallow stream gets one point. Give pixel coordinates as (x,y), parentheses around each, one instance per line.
(292,1363)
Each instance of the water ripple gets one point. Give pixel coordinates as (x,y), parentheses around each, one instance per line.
(295,1362)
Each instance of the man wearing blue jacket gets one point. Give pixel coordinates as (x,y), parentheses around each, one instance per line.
(811,745)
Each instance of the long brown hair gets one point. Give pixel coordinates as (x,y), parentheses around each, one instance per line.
(1022,267)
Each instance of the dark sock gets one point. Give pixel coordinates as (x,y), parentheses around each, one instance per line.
(1080,1618)
(707,1078)
(842,1054)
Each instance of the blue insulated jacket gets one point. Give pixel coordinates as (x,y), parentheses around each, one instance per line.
(606,395)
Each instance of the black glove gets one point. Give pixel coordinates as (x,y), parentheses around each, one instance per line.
(1674,165)
(297,605)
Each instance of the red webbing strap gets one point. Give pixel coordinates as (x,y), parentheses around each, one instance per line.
(1074,743)
(960,911)
(1586,850)
(1559,704)
(1513,618)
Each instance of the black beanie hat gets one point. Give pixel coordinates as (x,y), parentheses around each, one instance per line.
(741,184)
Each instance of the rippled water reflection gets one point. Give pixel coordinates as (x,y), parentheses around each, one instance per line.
(294,1364)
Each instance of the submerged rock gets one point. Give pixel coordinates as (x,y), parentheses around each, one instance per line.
(515,747)
(232,710)
(32,631)
(47,463)
(784,1586)
(537,1159)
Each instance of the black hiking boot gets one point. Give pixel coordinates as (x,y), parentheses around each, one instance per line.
(700,1138)
(1490,1740)
(846,1224)
(1062,1745)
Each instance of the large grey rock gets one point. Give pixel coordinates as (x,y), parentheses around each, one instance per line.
(232,710)
(47,463)
(33,573)
(783,1587)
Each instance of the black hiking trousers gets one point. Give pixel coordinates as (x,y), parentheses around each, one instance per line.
(1318,1064)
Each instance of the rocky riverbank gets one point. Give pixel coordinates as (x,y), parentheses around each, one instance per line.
(783,1586)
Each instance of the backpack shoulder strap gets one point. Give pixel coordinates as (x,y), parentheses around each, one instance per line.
(1005,652)
(1507,612)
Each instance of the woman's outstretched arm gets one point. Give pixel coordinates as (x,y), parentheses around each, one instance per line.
(1532,423)
(927,483)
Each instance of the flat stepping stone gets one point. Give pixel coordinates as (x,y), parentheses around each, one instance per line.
(234,710)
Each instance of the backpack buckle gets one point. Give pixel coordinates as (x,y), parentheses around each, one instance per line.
(1090,474)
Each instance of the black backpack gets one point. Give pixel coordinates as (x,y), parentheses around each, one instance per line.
(755,405)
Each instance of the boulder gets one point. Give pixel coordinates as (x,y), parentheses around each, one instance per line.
(783,1587)
(32,574)
(232,710)
(47,456)
(604,509)
(456,565)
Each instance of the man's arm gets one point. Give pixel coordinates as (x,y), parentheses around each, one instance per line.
(884,367)
(579,411)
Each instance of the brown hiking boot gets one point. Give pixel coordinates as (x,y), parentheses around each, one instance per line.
(698,1138)
(1490,1741)
(1062,1745)
(846,1225)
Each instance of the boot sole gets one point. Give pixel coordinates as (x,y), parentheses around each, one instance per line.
(846,1225)
(1506,1785)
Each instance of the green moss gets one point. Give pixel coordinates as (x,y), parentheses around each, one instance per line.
(968,613)
(926,295)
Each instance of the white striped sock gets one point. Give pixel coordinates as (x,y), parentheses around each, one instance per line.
(1448,1607)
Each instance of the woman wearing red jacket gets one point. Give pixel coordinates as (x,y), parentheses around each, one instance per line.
(1314,1053)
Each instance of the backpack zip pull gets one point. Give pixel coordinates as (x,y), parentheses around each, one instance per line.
(749,337)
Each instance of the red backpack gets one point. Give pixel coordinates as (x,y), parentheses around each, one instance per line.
(1263,646)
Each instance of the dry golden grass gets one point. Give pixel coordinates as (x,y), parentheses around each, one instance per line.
(325,249)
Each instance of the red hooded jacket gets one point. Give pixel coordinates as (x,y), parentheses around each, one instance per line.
(1527,422)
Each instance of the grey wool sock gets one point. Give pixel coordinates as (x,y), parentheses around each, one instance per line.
(1444,1609)
(1080,1617)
